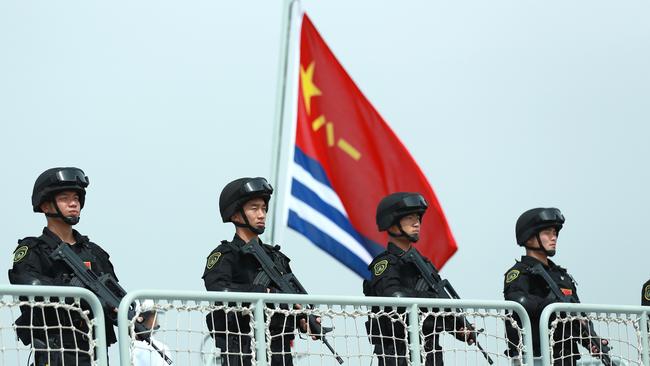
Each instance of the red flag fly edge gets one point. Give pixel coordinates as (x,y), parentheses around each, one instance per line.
(346,160)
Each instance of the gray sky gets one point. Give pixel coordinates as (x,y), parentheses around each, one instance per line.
(505,104)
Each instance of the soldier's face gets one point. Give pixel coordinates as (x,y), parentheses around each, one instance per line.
(548,238)
(255,211)
(410,224)
(68,203)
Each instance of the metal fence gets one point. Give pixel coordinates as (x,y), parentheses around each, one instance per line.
(265,329)
(594,334)
(184,329)
(56,322)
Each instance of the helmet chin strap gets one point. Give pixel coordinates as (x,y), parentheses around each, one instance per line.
(247,225)
(549,253)
(403,234)
(70,220)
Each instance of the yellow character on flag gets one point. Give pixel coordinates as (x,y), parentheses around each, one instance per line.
(310,90)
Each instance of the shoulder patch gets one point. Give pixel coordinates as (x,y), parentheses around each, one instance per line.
(226,247)
(29,241)
(20,253)
(512,275)
(282,255)
(646,293)
(380,267)
(213,259)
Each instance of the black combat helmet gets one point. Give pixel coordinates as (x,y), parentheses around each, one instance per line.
(397,205)
(55,180)
(531,222)
(236,193)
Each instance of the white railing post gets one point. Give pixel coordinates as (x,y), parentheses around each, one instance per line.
(260,333)
(414,334)
(644,338)
(544,335)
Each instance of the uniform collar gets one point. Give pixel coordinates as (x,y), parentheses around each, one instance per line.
(239,241)
(531,261)
(55,240)
(395,250)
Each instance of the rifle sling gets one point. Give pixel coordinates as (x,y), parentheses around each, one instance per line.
(539,269)
(441,287)
(268,266)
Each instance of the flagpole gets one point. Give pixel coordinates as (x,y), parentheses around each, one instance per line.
(281,96)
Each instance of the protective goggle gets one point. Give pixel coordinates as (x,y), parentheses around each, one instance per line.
(551,214)
(72,175)
(415,201)
(257,185)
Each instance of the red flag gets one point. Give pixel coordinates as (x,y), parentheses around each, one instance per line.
(363,160)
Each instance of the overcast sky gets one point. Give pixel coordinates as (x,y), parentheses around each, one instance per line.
(506,105)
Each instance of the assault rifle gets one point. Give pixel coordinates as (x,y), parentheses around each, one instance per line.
(108,291)
(585,329)
(287,283)
(431,280)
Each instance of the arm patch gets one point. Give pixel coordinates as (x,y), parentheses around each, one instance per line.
(20,253)
(380,267)
(512,275)
(212,260)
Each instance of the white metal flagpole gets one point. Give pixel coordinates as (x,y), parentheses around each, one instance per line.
(282,95)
